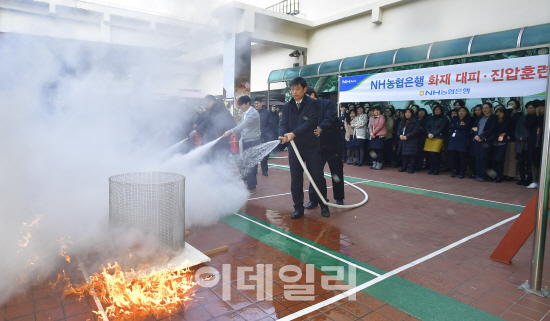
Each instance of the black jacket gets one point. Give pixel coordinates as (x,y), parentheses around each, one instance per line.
(264,123)
(437,126)
(273,124)
(409,147)
(513,122)
(490,128)
(504,127)
(459,133)
(216,122)
(302,122)
(331,136)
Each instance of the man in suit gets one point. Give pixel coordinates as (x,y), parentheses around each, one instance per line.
(298,122)
(328,131)
(264,127)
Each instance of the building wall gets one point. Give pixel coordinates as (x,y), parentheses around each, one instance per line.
(264,60)
(419,22)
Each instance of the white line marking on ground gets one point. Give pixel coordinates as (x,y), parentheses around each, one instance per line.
(96,299)
(418,188)
(309,245)
(391,273)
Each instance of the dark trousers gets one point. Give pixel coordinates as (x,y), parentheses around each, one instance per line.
(408,159)
(334,159)
(420,154)
(263,163)
(435,161)
(524,166)
(472,164)
(388,150)
(457,161)
(344,149)
(250,177)
(312,159)
(483,154)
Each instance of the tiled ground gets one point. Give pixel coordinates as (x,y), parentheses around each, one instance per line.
(394,228)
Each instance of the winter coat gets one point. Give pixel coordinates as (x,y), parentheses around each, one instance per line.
(359,125)
(377,126)
(301,122)
(409,147)
(459,133)
(331,137)
(390,122)
(437,126)
(521,134)
(216,122)
(503,127)
(534,124)
(514,118)
(489,131)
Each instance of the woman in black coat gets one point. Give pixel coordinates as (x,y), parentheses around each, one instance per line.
(476,114)
(503,131)
(408,136)
(510,163)
(534,122)
(458,141)
(437,129)
(423,123)
(522,136)
(486,132)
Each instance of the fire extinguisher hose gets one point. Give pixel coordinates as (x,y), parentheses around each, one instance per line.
(317,189)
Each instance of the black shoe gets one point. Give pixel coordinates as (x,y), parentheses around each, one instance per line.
(431,172)
(311,205)
(453,174)
(461,176)
(264,174)
(473,176)
(436,172)
(411,172)
(521,182)
(480,179)
(356,164)
(498,180)
(340,202)
(526,183)
(401,170)
(325,212)
(360,164)
(297,214)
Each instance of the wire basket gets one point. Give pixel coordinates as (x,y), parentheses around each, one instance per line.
(153,202)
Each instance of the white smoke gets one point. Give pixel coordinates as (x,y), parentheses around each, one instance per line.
(71,116)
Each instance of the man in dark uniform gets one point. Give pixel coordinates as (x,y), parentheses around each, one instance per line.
(298,122)
(328,131)
(215,123)
(264,127)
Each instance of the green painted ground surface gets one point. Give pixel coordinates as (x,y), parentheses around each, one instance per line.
(405,295)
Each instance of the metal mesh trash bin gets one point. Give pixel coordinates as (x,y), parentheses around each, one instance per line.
(153,202)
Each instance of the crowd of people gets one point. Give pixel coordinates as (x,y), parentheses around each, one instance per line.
(488,143)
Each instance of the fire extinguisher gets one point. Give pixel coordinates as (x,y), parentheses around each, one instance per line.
(198,140)
(234,144)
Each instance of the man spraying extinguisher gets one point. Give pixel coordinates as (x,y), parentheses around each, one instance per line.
(250,132)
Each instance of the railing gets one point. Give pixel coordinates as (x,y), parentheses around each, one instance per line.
(291,7)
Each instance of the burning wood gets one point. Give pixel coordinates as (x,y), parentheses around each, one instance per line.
(136,294)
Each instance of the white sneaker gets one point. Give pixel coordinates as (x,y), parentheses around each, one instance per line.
(533,185)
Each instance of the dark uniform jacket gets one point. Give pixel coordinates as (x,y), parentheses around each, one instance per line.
(460,133)
(514,120)
(273,124)
(264,123)
(503,127)
(216,122)
(437,126)
(331,136)
(302,122)
(409,147)
(534,124)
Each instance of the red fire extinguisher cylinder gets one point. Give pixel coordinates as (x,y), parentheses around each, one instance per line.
(234,144)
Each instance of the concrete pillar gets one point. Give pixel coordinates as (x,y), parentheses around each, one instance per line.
(236,65)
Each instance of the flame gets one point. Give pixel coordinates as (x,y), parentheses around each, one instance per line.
(137,294)
(63,249)
(26,228)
